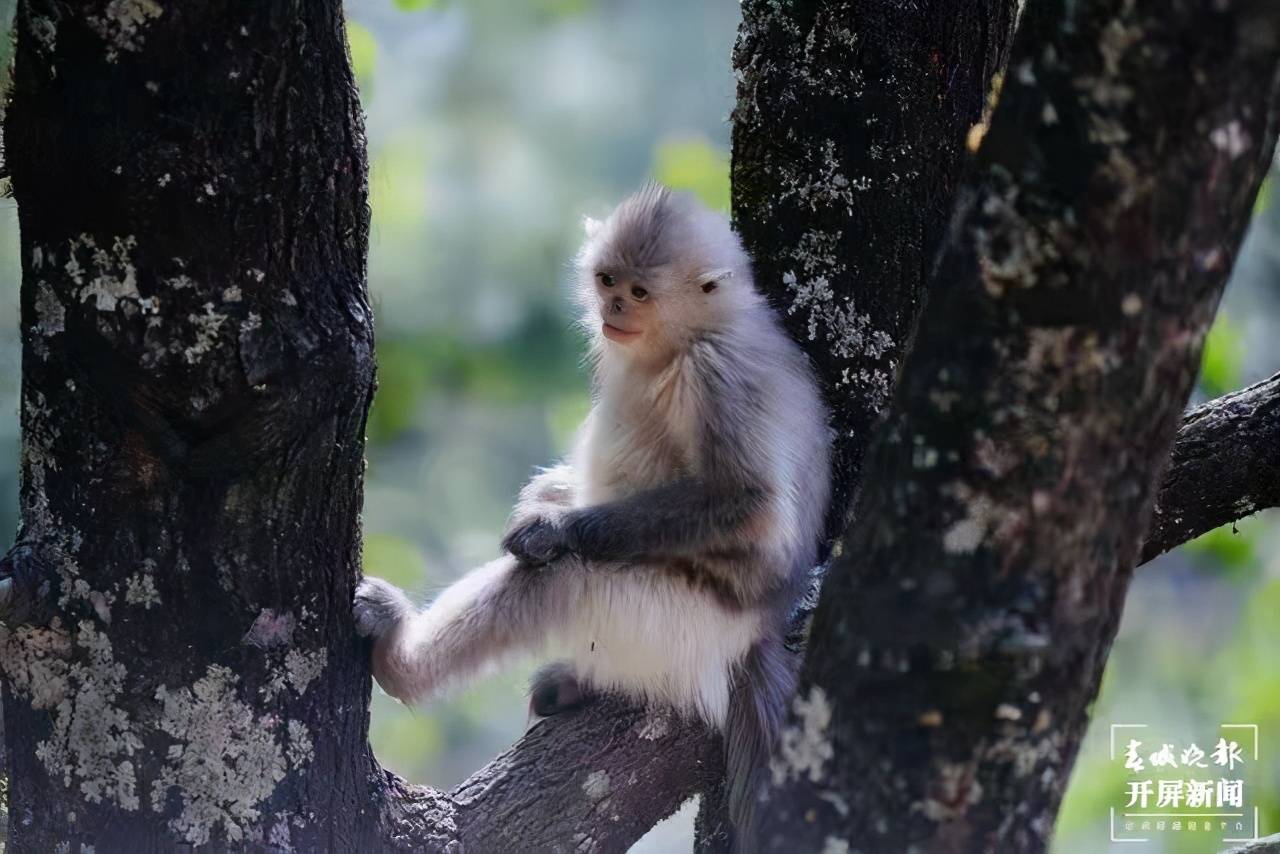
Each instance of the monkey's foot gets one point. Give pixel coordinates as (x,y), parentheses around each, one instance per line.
(379,607)
(555,689)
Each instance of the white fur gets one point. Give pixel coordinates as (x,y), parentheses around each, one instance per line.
(636,631)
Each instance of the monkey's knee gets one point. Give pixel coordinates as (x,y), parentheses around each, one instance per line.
(555,689)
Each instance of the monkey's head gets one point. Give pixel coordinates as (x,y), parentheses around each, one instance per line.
(661,270)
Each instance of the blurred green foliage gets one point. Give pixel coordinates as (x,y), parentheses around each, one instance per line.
(694,165)
(364,54)
(1222,361)
(1227,548)
(394,558)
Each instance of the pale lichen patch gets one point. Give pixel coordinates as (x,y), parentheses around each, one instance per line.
(301,749)
(106,275)
(835,845)
(206,328)
(45,32)
(91,736)
(805,748)
(849,333)
(224,764)
(280,837)
(122,24)
(1008,712)
(596,786)
(819,183)
(952,793)
(1230,138)
(1013,251)
(302,668)
(140,589)
(50,315)
(34,661)
(964,536)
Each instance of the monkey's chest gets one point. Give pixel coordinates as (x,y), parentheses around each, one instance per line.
(632,452)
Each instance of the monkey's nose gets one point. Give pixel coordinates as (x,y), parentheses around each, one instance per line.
(618,305)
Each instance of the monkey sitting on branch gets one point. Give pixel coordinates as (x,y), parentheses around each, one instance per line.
(663,557)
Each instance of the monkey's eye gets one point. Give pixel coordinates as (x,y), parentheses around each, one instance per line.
(708,287)
(640,294)
(605,279)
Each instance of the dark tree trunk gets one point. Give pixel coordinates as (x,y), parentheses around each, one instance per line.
(962,634)
(179,660)
(848,143)
(197,365)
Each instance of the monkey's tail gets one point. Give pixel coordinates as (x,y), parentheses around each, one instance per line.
(757,709)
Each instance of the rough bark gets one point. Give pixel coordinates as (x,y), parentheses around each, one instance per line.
(197,364)
(961,635)
(848,143)
(1225,466)
(1265,845)
(593,781)
(178,656)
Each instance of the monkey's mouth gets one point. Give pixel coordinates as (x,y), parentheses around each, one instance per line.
(616,333)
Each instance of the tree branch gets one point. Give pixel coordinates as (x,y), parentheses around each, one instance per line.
(1224,467)
(1265,845)
(591,780)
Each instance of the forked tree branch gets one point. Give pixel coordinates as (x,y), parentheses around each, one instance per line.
(604,775)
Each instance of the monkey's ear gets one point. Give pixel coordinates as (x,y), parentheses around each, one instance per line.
(713,279)
(591,226)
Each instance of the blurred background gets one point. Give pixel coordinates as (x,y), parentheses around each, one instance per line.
(493,128)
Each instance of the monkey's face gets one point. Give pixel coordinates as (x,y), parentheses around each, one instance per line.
(626,312)
(648,315)
(659,272)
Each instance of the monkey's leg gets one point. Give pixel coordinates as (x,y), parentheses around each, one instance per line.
(496,610)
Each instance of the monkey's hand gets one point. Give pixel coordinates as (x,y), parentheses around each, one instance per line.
(379,607)
(537,542)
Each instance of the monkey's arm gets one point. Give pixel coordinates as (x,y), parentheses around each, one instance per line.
(685,516)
